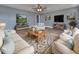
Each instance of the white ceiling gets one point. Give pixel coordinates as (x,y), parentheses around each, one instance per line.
(50,7)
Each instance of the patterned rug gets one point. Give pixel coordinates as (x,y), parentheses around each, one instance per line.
(43,46)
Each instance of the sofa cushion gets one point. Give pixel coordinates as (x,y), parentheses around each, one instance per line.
(2,27)
(68,40)
(54,49)
(68,31)
(13,31)
(19,45)
(2,33)
(7,33)
(62,48)
(8,45)
(76,43)
(1,40)
(16,37)
(75,32)
(65,36)
(61,41)
(27,50)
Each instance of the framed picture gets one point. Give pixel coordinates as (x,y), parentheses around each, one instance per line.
(72,18)
(47,18)
(21,19)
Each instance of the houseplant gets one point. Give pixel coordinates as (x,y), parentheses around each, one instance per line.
(72,24)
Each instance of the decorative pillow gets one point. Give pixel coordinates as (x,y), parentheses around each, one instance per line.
(65,36)
(2,33)
(8,46)
(67,39)
(1,40)
(70,43)
(76,43)
(68,32)
(75,32)
(7,33)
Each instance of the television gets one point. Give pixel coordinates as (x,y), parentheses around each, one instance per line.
(59,18)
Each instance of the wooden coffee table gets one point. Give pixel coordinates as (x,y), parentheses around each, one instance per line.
(36,35)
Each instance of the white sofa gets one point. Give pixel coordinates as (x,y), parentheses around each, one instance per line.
(40,26)
(59,47)
(21,46)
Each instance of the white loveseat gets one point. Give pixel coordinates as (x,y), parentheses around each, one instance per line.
(21,46)
(59,46)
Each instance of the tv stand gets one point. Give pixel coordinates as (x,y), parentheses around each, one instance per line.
(58,25)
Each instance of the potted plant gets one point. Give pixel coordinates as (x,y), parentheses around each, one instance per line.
(72,24)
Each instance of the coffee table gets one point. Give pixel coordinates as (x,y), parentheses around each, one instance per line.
(38,35)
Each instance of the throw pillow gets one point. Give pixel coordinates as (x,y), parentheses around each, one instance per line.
(76,43)
(2,33)
(69,43)
(7,33)
(67,39)
(8,46)
(68,32)
(75,32)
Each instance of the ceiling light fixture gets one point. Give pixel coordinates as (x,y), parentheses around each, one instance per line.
(39,8)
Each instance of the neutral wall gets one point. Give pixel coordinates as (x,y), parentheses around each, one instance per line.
(65,12)
(8,15)
(77,17)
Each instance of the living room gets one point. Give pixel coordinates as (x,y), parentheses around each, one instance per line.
(39,28)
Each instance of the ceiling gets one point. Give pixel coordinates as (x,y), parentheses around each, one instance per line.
(50,7)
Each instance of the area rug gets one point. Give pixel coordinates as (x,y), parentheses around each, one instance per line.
(44,45)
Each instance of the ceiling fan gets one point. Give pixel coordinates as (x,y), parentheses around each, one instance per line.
(39,8)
